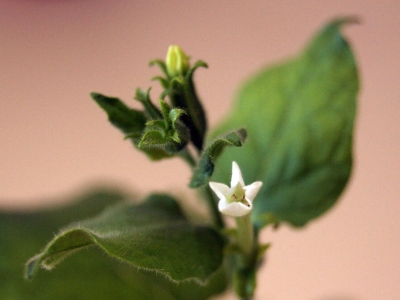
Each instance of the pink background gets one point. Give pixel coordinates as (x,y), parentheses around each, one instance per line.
(55,140)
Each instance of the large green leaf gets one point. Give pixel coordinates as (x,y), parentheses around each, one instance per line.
(153,236)
(87,275)
(299,116)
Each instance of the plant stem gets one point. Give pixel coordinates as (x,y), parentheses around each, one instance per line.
(245,236)
(187,157)
(244,281)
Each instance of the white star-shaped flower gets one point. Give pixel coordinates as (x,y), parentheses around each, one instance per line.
(237,200)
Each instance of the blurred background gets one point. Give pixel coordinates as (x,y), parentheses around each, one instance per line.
(55,141)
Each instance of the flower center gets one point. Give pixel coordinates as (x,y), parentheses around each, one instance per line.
(239,195)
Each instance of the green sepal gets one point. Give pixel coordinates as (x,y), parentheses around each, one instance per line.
(161,64)
(161,80)
(164,81)
(300,115)
(153,236)
(151,110)
(205,167)
(197,64)
(129,121)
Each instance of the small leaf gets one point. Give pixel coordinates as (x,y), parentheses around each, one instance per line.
(205,167)
(152,236)
(299,116)
(128,120)
(197,64)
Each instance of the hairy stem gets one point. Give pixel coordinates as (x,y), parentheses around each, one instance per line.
(187,157)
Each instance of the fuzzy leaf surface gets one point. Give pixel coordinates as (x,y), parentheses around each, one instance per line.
(299,116)
(151,236)
(89,275)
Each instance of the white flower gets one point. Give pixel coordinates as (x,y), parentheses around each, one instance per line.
(237,200)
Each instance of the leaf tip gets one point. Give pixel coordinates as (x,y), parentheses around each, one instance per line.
(340,21)
(95,96)
(31,267)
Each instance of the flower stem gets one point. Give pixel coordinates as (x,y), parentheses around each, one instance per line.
(245,236)
(244,280)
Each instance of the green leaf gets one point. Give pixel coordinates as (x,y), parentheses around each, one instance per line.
(89,275)
(299,116)
(128,120)
(152,236)
(205,167)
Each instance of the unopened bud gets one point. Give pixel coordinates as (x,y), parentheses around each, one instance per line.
(177,62)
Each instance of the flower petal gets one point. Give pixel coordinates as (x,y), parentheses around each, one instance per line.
(236,175)
(221,190)
(234,209)
(251,190)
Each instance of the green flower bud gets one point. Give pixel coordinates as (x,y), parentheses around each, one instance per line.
(177,62)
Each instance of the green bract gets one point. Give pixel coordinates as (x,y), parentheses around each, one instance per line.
(299,116)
